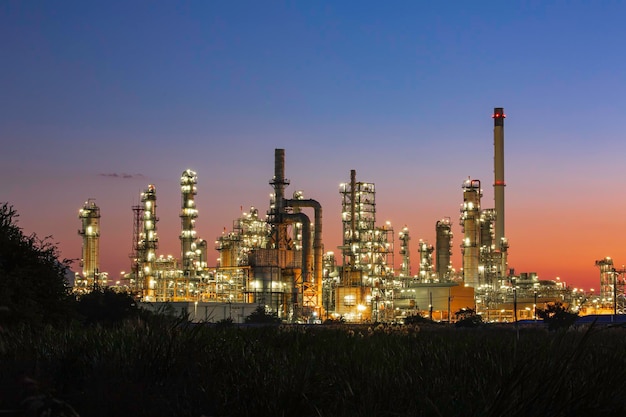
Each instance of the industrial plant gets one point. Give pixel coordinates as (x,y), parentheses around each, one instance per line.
(276,259)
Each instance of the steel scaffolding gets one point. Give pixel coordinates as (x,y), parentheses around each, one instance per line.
(367,252)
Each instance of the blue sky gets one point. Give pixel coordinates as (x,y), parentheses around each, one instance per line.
(400,91)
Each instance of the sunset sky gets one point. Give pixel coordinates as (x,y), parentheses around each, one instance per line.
(100,99)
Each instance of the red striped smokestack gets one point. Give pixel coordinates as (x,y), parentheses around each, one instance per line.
(499,184)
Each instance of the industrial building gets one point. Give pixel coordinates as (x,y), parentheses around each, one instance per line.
(278,260)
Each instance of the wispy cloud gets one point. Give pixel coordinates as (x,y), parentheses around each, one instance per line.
(121,176)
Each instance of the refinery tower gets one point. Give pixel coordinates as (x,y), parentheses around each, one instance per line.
(484,245)
(89,215)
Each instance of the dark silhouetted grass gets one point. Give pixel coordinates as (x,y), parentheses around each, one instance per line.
(167,368)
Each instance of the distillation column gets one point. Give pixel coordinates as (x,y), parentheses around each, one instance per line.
(188,215)
(608,280)
(90,231)
(426,261)
(405,270)
(349,221)
(470,220)
(490,258)
(443,252)
(149,242)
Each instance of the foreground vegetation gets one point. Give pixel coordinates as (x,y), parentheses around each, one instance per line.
(165,367)
(104,357)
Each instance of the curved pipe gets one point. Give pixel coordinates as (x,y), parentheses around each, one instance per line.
(306,246)
(317,239)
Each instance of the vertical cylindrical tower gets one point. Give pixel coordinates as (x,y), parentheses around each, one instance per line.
(149,242)
(499,184)
(90,231)
(352,204)
(470,220)
(405,270)
(188,215)
(487,219)
(443,252)
(297,227)
(490,258)
(202,253)
(607,279)
(426,261)
(279,182)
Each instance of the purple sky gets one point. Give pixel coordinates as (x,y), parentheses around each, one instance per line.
(401,92)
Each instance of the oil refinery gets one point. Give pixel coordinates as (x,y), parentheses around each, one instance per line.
(277,260)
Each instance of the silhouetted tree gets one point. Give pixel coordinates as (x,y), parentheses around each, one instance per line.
(32,277)
(467,317)
(557,316)
(259,315)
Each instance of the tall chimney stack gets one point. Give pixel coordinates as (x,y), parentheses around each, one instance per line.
(499,184)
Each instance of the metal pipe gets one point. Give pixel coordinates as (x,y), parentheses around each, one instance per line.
(317,239)
(306,245)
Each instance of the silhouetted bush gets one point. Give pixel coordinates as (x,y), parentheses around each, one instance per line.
(33,288)
(417,319)
(106,306)
(467,317)
(557,316)
(225,322)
